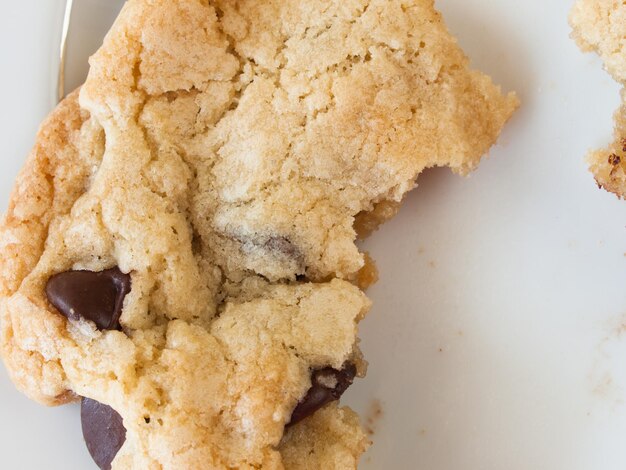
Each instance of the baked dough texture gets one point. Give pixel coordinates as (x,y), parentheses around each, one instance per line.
(220,152)
(600,26)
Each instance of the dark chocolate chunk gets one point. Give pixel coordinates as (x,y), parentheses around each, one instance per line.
(103,430)
(91,296)
(282,247)
(327,385)
(614,159)
(276,246)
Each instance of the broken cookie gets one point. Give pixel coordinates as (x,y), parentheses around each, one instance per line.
(179,252)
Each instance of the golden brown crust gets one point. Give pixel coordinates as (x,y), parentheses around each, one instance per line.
(34,202)
(53,177)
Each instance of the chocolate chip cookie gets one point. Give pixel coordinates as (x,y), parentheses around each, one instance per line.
(179,253)
(600,25)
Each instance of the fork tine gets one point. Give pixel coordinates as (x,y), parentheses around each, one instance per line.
(63,49)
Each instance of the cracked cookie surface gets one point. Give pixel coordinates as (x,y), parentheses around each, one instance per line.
(600,26)
(221,154)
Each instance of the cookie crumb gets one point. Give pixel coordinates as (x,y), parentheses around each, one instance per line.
(606,376)
(373,416)
(598,25)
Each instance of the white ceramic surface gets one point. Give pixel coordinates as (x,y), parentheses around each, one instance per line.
(496,340)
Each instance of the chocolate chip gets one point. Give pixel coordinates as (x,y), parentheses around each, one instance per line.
(283,246)
(327,385)
(91,296)
(103,430)
(278,247)
(614,159)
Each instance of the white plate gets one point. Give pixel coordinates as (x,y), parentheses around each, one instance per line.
(496,340)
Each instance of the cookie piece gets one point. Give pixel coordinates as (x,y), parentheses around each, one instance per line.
(184,390)
(209,183)
(600,25)
(326,440)
(609,165)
